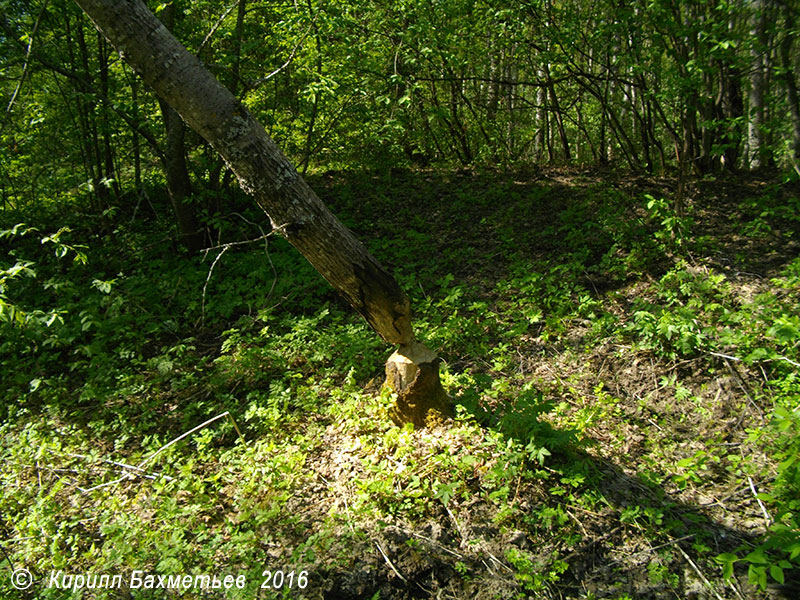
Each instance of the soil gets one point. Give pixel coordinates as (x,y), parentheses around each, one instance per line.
(648,429)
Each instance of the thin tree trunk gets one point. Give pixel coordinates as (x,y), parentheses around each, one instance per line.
(562,132)
(108,152)
(179,185)
(493,87)
(789,80)
(100,191)
(731,109)
(315,104)
(459,129)
(511,73)
(238,33)
(216,170)
(755,122)
(82,117)
(539,142)
(602,143)
(137,152)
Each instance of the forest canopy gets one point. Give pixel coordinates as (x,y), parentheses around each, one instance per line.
(645,85)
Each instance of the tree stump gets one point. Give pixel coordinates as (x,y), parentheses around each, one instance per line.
(412,372)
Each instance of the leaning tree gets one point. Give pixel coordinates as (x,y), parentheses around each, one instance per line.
(293,208)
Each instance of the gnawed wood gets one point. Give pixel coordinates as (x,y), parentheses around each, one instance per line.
(412,372)
(293,208)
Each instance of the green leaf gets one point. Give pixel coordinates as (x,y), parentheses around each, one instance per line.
(445,491)
(758,354)
(757,576)
(541,454)
(777,573)
(757,557)
(784,331)
(727,570)
(103,286)
(726,557)
(794,551)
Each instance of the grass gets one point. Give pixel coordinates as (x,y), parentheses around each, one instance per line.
(626,389)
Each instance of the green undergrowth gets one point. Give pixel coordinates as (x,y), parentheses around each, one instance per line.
(223,414)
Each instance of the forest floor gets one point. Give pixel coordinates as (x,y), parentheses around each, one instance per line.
(625,380)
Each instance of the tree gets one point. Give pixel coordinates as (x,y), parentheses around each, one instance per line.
(755,123)
(179,185)
(293,208)
(788,77)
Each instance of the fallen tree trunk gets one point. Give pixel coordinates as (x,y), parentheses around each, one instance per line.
(263,171)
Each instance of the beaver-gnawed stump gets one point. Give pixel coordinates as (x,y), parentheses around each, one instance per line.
(412,372)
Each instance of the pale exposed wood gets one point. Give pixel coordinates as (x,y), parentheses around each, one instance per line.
(412,372)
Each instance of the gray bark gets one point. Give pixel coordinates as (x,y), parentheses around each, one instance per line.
(789,80)
(755,122)
(541,117)
(179,184)
(262,170)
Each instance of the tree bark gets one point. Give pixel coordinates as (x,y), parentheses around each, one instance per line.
(789,80)
(262,170)
(755,122)
(179,184)
(562,132)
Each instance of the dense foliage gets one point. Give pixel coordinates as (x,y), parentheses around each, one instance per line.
(648,85)
(562,188)
(585,356)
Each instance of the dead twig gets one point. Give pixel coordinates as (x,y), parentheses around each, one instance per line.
(136,470)
(216,26)
(740,380)
(729,357)
(436,544)
(208,278)
(574,518)
(389,562)
(25,67)
(254,84)
(456,523)
(223,248)
(499,562)
(763,508)
(188,433)
(128,475)
(696,569)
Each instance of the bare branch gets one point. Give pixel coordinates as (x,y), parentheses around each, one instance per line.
(217,25)
(25,66)
(254,84)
